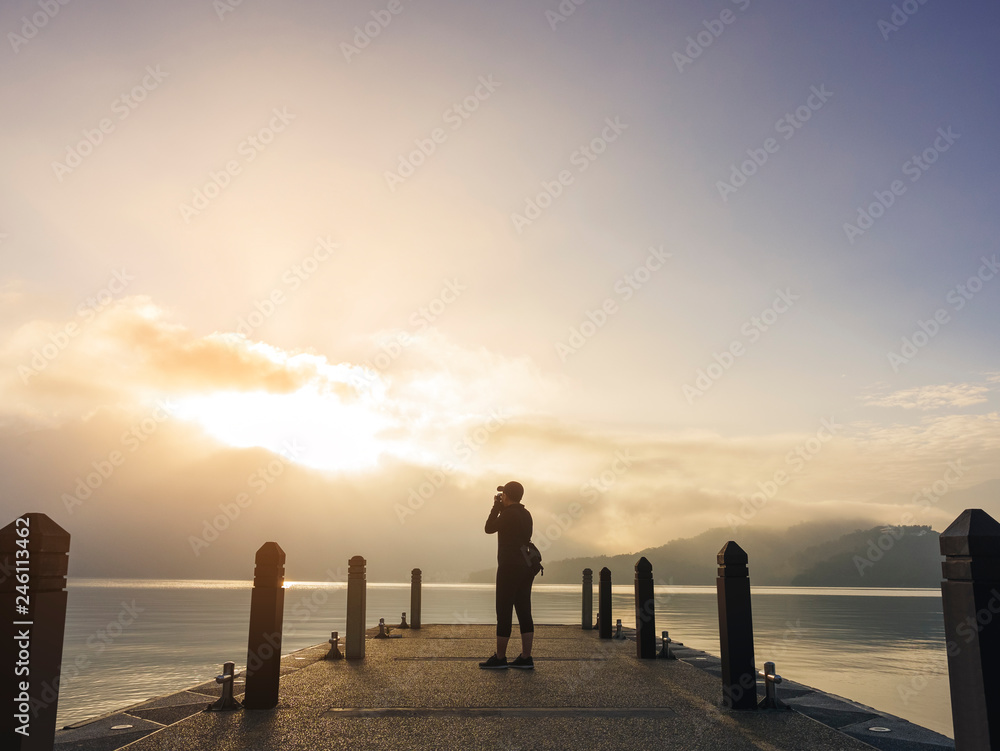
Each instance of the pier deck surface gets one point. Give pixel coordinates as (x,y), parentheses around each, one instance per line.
(425,691)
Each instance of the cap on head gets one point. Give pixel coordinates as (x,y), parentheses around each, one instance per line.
(514,490)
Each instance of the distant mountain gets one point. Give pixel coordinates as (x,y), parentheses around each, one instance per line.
(880,557)
(820,554)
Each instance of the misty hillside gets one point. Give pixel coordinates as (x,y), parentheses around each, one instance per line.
(880,557)
(831,554)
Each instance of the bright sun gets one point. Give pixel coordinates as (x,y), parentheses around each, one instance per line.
(311,428)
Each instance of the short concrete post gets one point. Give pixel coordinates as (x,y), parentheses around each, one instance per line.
(34,555)
(356,608)
(604,604)
(645,611)
(739,676)
(587,621)
(415,598)
(267,612)
(970,598)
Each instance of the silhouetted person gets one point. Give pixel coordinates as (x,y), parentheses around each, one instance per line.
(512,523)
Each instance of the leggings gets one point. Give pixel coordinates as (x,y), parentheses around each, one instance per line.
(514,591)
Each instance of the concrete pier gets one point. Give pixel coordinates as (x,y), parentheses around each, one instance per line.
(426,691)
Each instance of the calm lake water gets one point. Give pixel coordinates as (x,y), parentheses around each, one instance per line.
(883,648)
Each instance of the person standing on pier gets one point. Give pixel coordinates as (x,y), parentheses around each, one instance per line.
(512,524)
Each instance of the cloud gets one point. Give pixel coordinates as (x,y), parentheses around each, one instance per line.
(404,458)
(933,397)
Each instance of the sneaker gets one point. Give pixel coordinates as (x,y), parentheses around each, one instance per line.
(524,663)
(494,663)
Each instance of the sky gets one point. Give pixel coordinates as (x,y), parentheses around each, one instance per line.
(327,274)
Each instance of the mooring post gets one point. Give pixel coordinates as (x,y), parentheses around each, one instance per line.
(665,652)
(267,612)
(334,653)
(587,622)
(645,611)
(227,701)
(970,598)
(604,604)
(739,676)
(356,609)
(34,558)
(415,598)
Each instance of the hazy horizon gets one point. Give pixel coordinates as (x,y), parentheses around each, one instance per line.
(328,275)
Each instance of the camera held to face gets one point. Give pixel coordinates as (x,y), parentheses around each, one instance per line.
(498,498)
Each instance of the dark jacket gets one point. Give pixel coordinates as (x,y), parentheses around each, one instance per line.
(513,527)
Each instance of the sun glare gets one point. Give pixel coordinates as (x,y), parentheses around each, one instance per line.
(311,428)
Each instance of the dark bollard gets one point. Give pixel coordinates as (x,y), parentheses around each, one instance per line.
(618,630)
(665,652)
(645,611)
(739,676)
(604,604)
(970,598)
(402,622)
(267,612)
(356,608)
(34,556)
(227,702)
(334,653)
(415,598)
(771,682)
(588,600)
